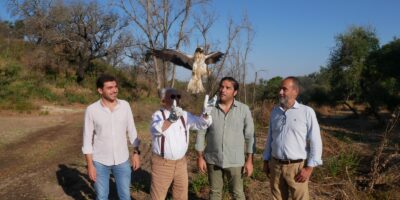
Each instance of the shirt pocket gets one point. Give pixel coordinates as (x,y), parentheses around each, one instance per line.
(298,126)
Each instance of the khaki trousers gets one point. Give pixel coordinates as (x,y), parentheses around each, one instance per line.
(163,173)
(283,183)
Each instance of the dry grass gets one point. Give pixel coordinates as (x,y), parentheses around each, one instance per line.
(346,142)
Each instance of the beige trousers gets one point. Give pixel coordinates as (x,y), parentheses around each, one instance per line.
(163,173)
(283,183)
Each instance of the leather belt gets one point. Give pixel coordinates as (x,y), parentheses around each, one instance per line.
(286,162)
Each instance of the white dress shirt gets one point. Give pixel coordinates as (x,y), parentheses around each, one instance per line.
(289,133)
(176,140)
(104,132)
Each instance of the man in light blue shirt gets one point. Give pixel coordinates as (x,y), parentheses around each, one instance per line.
(294,145)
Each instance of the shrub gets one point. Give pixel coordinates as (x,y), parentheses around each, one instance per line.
(337,165)
(9,73)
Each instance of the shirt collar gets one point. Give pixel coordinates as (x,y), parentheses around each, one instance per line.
(295,106)
(234,104)
(104,107)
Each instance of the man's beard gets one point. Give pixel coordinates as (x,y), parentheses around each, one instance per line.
(284,101)
(109,98)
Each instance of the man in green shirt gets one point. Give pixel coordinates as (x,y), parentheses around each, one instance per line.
(222,146)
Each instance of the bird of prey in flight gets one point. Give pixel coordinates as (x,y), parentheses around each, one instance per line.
(197,63)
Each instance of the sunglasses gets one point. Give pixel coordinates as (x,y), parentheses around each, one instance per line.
(173,96)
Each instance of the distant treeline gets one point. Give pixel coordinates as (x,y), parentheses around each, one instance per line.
(359,71)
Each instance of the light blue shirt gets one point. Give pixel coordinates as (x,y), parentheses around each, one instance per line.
(294,134)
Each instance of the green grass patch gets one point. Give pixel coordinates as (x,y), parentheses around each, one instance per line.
(198,183)
(341,166)
(258,172)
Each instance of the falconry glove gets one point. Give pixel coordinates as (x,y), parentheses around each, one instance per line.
(209,105)
(176,113)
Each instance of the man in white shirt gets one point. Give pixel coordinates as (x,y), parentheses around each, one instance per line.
(170,137)
(294,145)
(107,123)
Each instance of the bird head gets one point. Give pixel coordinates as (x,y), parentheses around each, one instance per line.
(199,50)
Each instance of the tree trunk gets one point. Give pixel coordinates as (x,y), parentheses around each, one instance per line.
(173,76)
(80,73)
(356,115)
(254,89)
(157,74)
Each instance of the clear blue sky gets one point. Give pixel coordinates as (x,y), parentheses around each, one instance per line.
(294,37)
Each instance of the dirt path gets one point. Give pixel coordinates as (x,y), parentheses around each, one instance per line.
(47,163)
(30,168)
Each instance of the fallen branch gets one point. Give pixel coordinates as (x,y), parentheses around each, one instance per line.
(378,162)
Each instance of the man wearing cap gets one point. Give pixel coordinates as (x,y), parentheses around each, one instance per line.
(170,138)
(294,145)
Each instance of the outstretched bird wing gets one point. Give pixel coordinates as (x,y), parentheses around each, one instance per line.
(174,56)
(213,57)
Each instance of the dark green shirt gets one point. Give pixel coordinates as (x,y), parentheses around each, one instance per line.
(229,137)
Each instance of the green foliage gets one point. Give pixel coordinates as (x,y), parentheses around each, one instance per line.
(198,183)
(341,164)
(315,88)
(358,71)
(380,81)
(258,172)
(16,95)
(271,88)
(347,61)
(72,97)
(9,74)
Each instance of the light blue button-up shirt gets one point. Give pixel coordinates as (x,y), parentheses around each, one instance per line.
(294,134)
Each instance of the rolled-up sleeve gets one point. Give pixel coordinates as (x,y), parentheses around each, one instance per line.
(249,135)
(268,144)
(314,136)
(200,140)
(131,128)
(88,129)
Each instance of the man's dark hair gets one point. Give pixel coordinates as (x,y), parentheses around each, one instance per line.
(232,80)
(104,78)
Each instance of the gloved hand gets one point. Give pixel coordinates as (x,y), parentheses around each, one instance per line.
(176,113)
(209,104)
